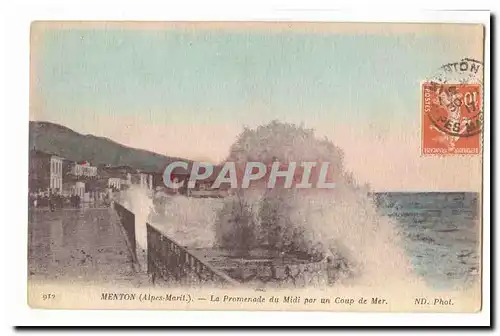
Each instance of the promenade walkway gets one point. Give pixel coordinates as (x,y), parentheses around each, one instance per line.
(79,245)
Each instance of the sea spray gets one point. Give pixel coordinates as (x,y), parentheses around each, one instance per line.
(366,245)
(138,200)
(190,221)
(340,224)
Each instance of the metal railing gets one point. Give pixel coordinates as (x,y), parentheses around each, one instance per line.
(127,220)
(173,263)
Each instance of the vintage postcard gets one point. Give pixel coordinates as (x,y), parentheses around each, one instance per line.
(256,166)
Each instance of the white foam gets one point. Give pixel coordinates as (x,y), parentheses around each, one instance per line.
(342,222)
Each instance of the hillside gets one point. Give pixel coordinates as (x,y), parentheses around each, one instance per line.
(60,140)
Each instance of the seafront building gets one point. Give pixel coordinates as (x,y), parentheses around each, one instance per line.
(45,172)
(52,174)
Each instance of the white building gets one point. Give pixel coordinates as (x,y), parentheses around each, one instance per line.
(89,171)
(115,182)
(56,174)
(83,169)
(77,169)
(78,189)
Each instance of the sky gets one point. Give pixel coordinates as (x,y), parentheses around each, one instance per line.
(188,90)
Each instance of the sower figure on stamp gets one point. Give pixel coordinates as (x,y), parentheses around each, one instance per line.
(451,100)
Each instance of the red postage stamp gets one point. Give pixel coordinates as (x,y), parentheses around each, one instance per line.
(452,118)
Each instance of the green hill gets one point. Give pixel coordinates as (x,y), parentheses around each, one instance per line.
(62,141)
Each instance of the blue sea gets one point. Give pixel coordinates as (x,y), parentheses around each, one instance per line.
(441,232)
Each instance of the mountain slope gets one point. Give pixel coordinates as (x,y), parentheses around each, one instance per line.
(62,141)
